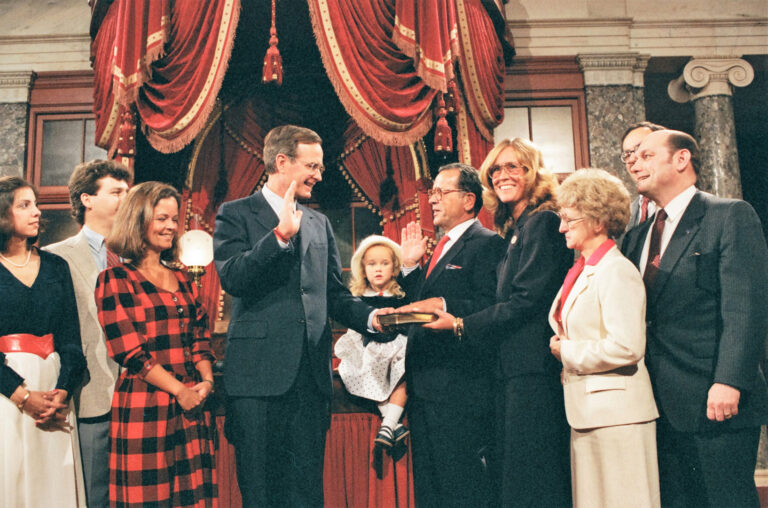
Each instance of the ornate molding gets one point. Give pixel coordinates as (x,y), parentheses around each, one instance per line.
(15,85)
(41,53)
(714,75)
(601,69)
(660,35)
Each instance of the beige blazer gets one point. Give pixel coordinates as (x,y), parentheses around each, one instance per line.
(605,380)
(95,397)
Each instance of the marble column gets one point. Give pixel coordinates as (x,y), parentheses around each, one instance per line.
(14,113)
(708,83)
(615,99)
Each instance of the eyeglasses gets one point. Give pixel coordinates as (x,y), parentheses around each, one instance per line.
(438,193)
(312,166)
(569,222)
(625,155)
(509,168)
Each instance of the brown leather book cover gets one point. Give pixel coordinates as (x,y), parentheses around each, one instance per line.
(400,321)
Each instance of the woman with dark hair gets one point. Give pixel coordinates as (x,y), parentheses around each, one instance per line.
(41,362)
(162,441)
(532,456)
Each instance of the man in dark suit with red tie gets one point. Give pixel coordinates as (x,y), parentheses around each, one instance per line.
(705,264)
(449,382)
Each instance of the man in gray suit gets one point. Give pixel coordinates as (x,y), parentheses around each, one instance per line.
(279,261)
(642,207)
(705,266)
(96,189)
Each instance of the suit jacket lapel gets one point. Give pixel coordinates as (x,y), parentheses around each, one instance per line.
(635,240)
(263,212)
(306,230)
(681,238)
(85,264)
(449,256)
(581,285)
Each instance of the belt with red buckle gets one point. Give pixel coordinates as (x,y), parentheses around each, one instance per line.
(27,343)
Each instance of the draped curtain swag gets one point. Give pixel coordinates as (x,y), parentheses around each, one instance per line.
(375,81)
(388,60)
(164,59)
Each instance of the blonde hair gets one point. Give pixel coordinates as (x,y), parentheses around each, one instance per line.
(129,232)
(358,284)
(599,196)
(540,184)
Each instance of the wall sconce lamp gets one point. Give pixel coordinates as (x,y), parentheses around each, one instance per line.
(196,252)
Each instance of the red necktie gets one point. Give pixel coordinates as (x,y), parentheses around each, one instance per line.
(436,254)
(644,210)
(112,259)
(654,250)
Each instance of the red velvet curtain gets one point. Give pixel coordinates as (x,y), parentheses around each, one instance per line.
(226,164)
(387,59)
(425,30)
(369,163)
(482,67)
(378,84)
(348,476)
(164,59)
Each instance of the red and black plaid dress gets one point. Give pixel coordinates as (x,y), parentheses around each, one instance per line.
(159,454)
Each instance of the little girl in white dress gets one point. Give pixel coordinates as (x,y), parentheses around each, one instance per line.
(372,366)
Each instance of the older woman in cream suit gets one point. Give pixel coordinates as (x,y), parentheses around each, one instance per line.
(599,320)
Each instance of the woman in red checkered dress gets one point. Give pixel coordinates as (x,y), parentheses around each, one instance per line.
(161,439)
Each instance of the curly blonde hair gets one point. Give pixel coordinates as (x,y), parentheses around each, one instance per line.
(599,196)
(359,283)
(540,184)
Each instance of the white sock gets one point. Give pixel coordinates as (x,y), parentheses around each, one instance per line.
(392,416)
(383,408)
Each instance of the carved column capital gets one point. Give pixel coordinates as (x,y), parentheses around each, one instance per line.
(15,85)
(708,76)
(602,69)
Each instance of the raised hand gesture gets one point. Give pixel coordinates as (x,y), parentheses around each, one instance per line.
(290,218)
(413,243)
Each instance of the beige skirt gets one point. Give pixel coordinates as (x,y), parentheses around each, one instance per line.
(37,467)
(615,467)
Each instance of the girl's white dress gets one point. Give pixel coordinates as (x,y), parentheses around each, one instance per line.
(372,365)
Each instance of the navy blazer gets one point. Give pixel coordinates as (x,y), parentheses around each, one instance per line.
(438,367)
(706,317)
(530,275)
(282,297)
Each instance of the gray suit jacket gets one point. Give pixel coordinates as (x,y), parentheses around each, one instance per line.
(94,398)
(706,317)
(282,298)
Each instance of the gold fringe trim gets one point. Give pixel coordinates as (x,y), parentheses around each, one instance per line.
(398,134)
(197,116)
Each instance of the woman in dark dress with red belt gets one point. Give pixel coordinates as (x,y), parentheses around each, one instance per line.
(41,362)
(162,441)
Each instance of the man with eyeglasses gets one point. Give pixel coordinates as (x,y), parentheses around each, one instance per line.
(449,382)
(642,207)
(705,267)
(279,261)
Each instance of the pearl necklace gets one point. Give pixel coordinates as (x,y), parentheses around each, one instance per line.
(17,265)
